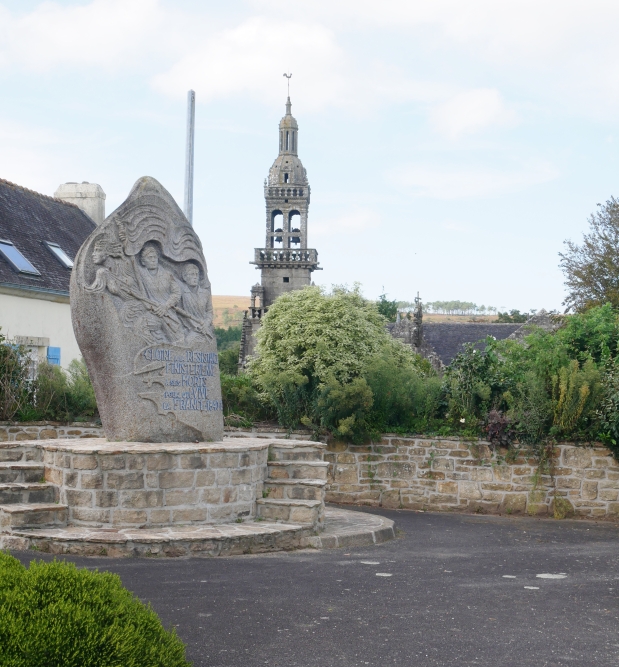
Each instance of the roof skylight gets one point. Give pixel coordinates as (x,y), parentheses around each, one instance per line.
(16,259)
(60,254)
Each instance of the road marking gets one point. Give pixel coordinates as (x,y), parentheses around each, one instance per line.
(532,588)
(369,562)
(509,576)
(383,574)
(561,575)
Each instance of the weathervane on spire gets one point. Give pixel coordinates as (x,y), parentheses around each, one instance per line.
(288,76)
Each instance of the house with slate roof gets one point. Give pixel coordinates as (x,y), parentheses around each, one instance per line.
(441,342)
(39,238)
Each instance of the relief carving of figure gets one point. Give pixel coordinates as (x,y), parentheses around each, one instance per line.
(115,275)
(196,302)
(150,298)
(162,294)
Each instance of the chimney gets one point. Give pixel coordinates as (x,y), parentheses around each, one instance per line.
(88,196)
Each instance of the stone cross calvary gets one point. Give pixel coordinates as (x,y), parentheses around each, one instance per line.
(143,318)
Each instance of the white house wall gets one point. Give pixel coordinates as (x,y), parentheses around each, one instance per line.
(40,318)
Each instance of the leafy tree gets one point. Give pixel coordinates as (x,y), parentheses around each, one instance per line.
(592,269)
(388,309)
(313,350)
(513,316)
(229,359)
(227,337)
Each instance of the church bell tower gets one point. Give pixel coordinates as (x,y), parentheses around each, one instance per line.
(285,263)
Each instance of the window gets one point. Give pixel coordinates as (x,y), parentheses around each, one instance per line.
(286,279)
(285,178)
(53,356)
(16,259)
(60,254)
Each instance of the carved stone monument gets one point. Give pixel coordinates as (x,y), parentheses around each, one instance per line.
(143,318)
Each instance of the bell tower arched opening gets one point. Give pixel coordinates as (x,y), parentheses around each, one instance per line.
(276,235)
(294,229)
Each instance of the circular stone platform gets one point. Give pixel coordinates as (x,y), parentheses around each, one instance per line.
(343,528)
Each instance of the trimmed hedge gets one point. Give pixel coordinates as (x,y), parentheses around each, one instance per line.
(56,615)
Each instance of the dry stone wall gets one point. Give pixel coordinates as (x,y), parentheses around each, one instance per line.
(451,475)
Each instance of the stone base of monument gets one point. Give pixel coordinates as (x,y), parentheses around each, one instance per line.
(96,497)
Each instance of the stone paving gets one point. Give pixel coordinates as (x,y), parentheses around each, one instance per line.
(453,590)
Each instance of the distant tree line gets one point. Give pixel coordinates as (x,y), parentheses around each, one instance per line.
(450,307)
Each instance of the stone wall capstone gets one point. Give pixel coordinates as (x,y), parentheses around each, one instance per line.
(47,430)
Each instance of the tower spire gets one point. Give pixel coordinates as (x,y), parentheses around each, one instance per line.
(288,76)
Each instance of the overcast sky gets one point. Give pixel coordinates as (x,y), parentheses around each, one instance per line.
(451,146)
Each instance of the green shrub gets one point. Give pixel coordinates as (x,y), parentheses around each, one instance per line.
(81,396)
(56,615)
(530,409)
(474,384)
(608,409)
(62,395)
(243,404)
(229,359)
(343,409)
(16,391)
(575,392)
(406,396)
(227,337)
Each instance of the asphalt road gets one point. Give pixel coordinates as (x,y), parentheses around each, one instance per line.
(460,590)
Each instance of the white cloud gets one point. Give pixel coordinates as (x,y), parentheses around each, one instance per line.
(512,28)
(471,111)
(31,155)
(355,221)
(104,33)
(565,47)
(438,183)
(250,58)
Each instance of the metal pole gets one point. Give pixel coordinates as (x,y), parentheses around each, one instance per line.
(191,124)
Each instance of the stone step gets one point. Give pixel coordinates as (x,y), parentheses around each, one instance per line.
(295,489)
(343,528)
(20,492)
(36,515)
(22,471)
(306,512)
(298,469)
(11,452)
(250,537)
(296,451)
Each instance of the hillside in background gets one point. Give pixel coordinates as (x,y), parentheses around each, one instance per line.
(228,310)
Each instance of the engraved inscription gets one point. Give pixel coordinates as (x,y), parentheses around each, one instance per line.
(181,377)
